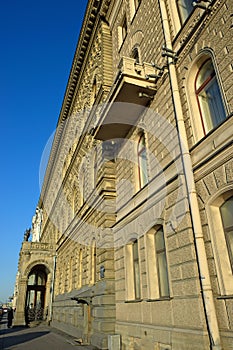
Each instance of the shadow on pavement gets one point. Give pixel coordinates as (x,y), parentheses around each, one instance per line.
(12,339)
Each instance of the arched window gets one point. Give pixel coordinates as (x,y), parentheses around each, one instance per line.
(135,54)
(226,211)
(209,97)
(142,162)
(185,7)
(220,219)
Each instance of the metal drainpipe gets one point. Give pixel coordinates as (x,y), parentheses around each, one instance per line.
(207,294)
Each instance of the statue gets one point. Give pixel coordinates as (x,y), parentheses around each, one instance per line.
(27,234)
(36,224)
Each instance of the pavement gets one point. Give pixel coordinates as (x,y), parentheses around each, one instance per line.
(40,337)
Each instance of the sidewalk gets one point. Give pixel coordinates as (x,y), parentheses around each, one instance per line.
(41,337)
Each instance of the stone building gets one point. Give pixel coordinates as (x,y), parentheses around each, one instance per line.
(132,242)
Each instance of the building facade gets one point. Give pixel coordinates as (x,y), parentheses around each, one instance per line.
(132,240)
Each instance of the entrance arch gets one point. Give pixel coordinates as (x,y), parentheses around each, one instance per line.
(36,291)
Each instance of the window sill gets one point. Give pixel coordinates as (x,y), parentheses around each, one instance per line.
(133,301)
(230,296)
(159,299)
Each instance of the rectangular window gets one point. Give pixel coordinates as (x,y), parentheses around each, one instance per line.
(157,270)
(136,271)
(124,28)
(161,264)
(136,4)
(122,31)
(132,269)
(226,211)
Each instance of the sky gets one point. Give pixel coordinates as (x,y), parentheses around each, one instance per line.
(38,41)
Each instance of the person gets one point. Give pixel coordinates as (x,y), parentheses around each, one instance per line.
(10,316)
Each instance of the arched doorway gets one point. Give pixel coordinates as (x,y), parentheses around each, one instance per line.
(36,289)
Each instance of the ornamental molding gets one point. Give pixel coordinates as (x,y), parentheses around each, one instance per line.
(193,31)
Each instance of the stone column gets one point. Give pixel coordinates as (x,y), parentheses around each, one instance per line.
(19,316)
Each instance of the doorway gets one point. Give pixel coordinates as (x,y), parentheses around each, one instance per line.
(36,290)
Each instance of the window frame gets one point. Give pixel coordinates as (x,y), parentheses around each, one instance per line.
(226,232)
(142,171)
(122,31)
(211,78)
(134,5)
(219,245)
(93,267)
(153,276)
(135,54)
(183,18)
(130,274)
(136,270)
(193,107)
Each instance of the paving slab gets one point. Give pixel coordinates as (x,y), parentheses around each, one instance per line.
(39,337)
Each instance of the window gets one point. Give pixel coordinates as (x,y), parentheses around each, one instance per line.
(124,28)
(161,263)
(226,211)
(73,201)
(206,103)
(209,97)
(134,4)
(135,54)
(122,31)
(185,7)
(219,213)
(157,270)
(37,278)
(94,91)
(79,263)
(142,162)
(132,264)
(82,186)
(136,270)
(94,167)
(70,275)
(93,262)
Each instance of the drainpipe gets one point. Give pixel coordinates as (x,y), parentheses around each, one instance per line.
(207,293)
(52,289)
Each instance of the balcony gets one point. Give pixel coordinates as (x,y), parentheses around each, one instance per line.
(129,97)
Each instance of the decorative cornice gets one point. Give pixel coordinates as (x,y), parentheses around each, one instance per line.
(188,36)
(94,9)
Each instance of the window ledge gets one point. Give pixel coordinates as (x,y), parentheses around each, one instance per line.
(230,296)
(133,301)
(159,299)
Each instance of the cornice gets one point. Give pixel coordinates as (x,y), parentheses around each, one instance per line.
(94,9)
(188,36)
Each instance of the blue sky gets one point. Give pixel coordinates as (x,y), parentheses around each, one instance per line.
(38,41)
